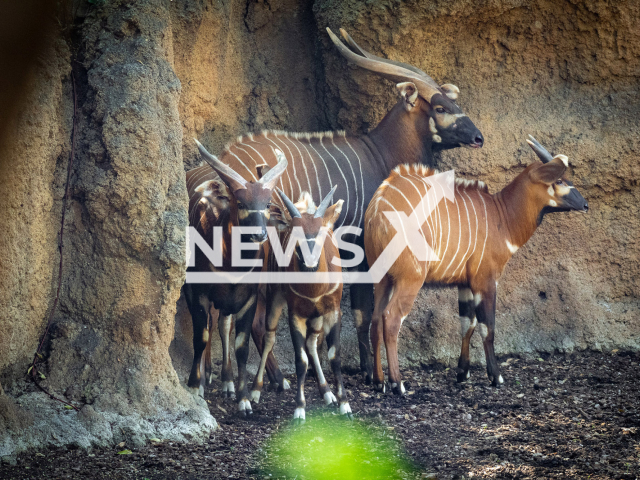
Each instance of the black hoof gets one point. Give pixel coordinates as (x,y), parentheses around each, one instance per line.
(379,387)
(367,377)
(397,390)
(495,382)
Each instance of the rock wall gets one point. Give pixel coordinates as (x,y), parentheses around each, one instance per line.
(152,75)
(566,72)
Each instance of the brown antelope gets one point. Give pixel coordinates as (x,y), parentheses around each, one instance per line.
(314,308)
(227,201)
(426,118)
(473,238)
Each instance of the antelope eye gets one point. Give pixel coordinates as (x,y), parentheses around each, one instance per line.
(440,110)
(559,182)
(242,206)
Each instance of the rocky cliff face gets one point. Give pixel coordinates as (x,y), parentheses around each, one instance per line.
(153,75)
(566,72)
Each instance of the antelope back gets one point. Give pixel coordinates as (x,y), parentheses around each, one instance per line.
(456,232)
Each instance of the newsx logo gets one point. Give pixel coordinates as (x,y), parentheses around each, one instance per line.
(408,234)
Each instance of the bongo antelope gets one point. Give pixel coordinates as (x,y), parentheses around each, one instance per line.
(473,238)
(227,201)
(426,118)
(314,309)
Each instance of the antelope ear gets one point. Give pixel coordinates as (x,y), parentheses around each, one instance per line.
(548,173)
(214,199)
(262,170)
(332,214)
(451,91)
(216,192)
(409,93)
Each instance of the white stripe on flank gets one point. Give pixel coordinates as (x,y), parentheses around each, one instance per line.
(410,178)
(325,167)
(475,214)
(355,184)
(362,206)
(346,185)
(292,163)
(306,173)
(464,257)
(459,235)
(424,209)
(404,233)
(314,168)
(291,191)
(248,170)
(486,230)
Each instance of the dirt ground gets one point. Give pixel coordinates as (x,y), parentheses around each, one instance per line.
(558,416)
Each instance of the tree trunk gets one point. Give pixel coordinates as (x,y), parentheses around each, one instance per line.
(124,247)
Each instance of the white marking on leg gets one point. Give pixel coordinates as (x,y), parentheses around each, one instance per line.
(512,248)
(500,379)
(477,298)
(255,396)
(345,409)
(228,387)
(465,323)
(468,374)
(239,340)
(312,346)
(465,295)
(299,414)
(402,390)
(244,406)
(332,353)
(484,331)
(285,384)
(329,398)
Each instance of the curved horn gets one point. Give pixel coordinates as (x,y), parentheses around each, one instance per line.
(324,204)
(542,152)
(293,211)
(272,176)
(398,73)
(364,53)
(226,173)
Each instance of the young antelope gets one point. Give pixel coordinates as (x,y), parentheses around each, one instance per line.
(314,308)
(473,238)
